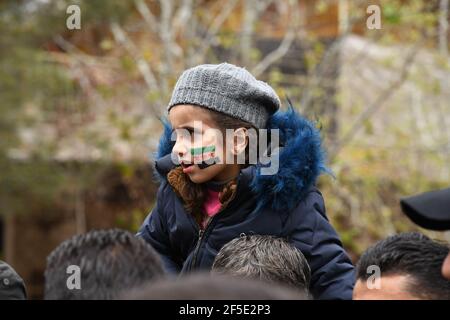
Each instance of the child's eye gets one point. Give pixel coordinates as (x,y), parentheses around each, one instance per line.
(187,133)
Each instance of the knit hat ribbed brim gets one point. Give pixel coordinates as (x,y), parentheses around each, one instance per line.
(228,89)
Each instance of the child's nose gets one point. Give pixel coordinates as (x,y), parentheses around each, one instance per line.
(179,149)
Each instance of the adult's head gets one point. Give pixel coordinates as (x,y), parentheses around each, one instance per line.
(100,265)
(266,258)
(205,286)
(12,286)
(430,210)
(409,266)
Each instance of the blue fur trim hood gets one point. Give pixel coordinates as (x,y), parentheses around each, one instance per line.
(301,160)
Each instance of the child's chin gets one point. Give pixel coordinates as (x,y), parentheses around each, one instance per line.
(198,178)
(204,175)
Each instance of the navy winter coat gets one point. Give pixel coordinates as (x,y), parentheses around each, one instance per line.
(286,204)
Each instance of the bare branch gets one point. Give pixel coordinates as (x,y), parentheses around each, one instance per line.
(329,58)
(284,46)
(143,67)
(148,16)
(183,15)
(166,35)
(80,60)
(214,28)
(249,17)
(183,20)
(377,103)
(443,27)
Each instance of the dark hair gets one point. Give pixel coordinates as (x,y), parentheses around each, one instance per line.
(109,261)
(204,286)
(225,122)
(12,286)
(264,257)
(412,254)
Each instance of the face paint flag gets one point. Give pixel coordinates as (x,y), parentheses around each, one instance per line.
(204,156)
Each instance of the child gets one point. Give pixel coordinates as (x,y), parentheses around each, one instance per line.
(203,204)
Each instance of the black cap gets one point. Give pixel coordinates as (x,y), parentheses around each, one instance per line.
(12,286)
(430,210)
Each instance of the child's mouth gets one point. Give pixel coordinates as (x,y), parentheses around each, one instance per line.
(187,167)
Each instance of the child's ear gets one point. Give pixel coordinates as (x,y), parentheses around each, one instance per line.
(240,140)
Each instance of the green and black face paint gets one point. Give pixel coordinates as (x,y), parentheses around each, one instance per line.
(204,156)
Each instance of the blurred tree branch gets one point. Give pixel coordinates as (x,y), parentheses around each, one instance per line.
(288,39)
(443,27)
(377,103)
(214,27)
(145,69)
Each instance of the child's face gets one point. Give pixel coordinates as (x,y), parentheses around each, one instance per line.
(198,138)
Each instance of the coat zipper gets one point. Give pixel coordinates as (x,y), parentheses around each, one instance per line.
(202,232)
(197,247)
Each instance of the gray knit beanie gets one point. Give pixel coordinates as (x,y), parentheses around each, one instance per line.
(228,89)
